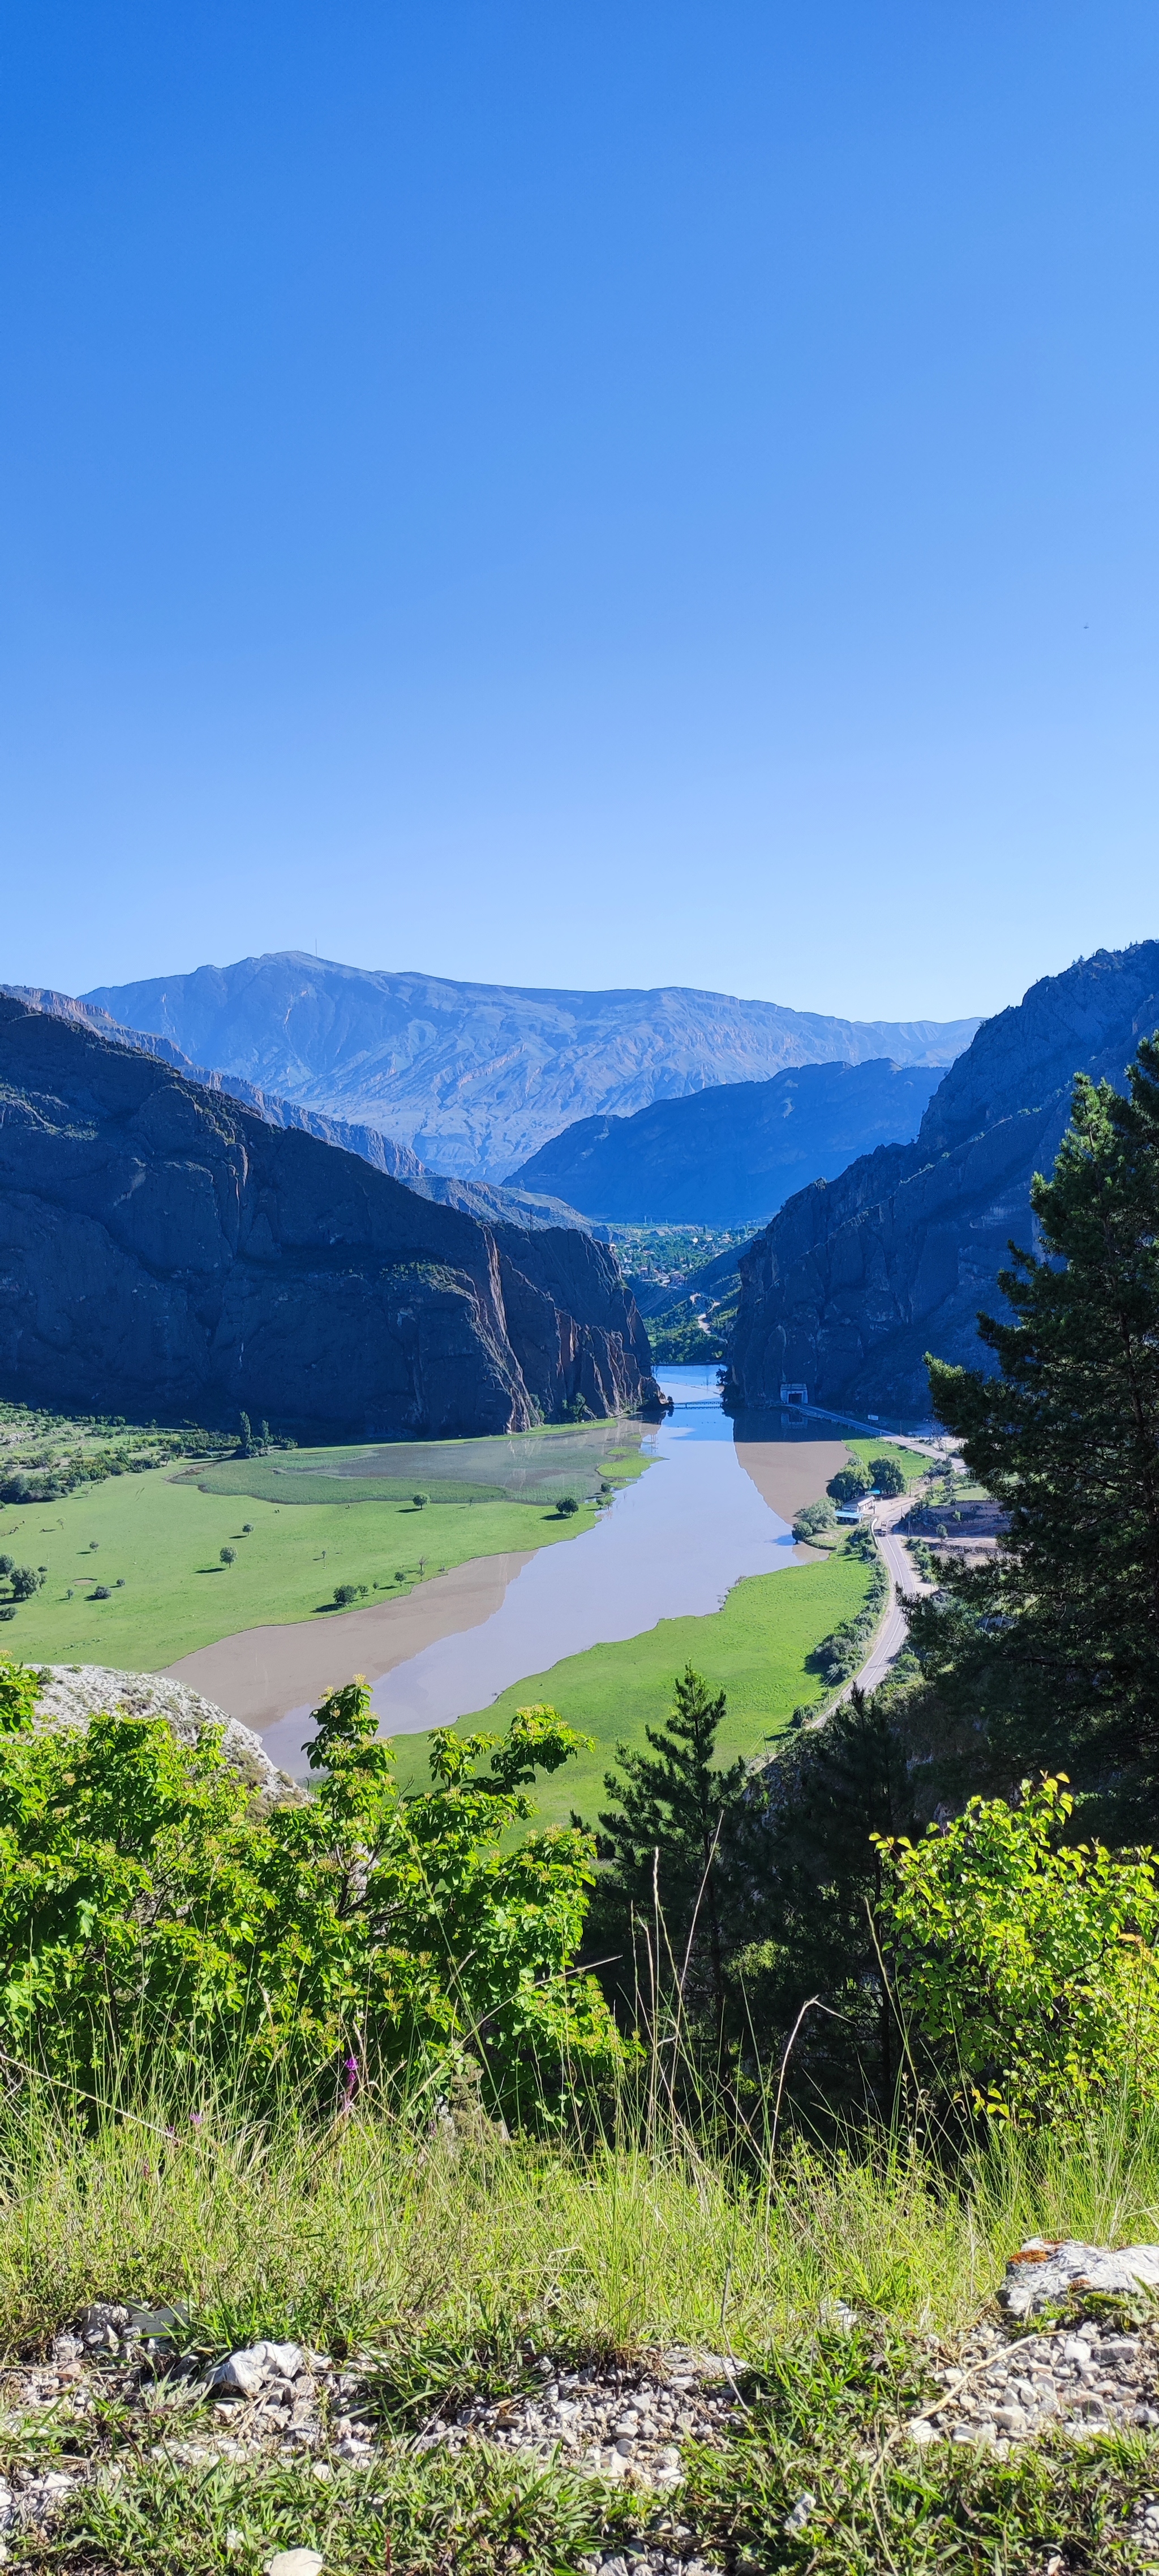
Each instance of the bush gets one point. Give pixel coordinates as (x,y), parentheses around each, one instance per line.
(25,1581)
(345,1593)
(814,1518)
(849,1484)
(566,1507)
(146,1918)
(420,1501)
(229,1556)
(1027,1964)
(887,1475)
(100,1592)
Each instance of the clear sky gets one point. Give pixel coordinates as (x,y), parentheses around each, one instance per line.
(618,493)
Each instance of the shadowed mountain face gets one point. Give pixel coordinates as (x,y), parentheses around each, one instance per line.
(483,1199)
(853,1281)
(730,1156)
(168,1254)
(476,1077)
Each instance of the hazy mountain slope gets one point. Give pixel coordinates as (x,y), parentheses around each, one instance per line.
(165,1253)
(732,1155)
(854,1280)
(484,1199)
(476,1077)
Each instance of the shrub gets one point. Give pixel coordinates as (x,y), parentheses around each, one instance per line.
(1027,1964)
(25,1581)
(229,1555)
(100,1592)
(146,1917)
(420,1501)
(814,1518)
(887,1475)
(849,1483)
(566,1507)
(344,1594)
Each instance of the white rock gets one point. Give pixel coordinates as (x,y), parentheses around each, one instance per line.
(247,2370)
(922,2432)
(295,2562)
(797,2518)
(1041,2274)
(75,1692)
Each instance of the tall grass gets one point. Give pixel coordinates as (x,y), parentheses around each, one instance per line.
(366,2232)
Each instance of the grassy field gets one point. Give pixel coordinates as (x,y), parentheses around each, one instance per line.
(161,1539)
(912,1464)
(755,1648)
(457,2266)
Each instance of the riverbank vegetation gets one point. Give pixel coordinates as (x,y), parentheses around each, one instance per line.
(152,1541)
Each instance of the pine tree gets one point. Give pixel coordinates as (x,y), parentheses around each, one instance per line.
(1053,1652)
(671,1835)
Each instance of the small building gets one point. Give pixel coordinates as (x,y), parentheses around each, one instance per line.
(794,1395)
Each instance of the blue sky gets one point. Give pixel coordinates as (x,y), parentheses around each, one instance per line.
(608,494)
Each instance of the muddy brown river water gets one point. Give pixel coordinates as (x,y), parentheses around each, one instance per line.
(713,1506)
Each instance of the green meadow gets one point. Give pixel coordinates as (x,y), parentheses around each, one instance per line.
(154,1542)
(755,1648)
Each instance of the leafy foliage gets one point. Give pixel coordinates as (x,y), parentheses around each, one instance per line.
(669,1844)
(849,1483)
(1050,1654)
(1027,1964)
(812,1519)
(355,1935)
(886,1474)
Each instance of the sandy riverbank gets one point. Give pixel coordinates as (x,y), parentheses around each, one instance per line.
(263,1673)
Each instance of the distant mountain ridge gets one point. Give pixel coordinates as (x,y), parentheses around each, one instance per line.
(855,1279)
(732,1155)
(475,1078)
(168,1254)
(483,1199)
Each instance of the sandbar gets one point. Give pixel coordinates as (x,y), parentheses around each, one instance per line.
(791,1473)
(261,1674)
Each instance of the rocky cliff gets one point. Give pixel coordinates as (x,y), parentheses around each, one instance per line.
(731,1156)
(484,1199)
(476,1077)
(166,1253)
(856,1278)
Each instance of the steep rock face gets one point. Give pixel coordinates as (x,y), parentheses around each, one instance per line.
(527,1208)
(853,1281)
(476,1077)
(730,1156)
(166,1253)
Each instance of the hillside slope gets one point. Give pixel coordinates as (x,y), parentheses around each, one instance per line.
(855,1279)
(484,1199)
(476,1077)
(166,1253)
(732,1155)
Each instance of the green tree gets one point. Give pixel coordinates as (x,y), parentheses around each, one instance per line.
(147,1919)
(1027,1964)
(245,1436)
(671,1836)
(1051,1653)
(420,1501)
(849,1483)
(228,1555)
(887,1475)
(816,1872)
(567,1507)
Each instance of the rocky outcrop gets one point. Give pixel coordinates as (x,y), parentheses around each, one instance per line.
(731,1156)
(476,1077)
(857,1278)
(167,1254)
(74,1693)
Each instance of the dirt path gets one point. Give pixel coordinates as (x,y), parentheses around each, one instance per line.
(262,1674)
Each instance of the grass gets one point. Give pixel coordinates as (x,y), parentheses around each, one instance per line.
(458,2262)
(755,1648)
(164,1537)
(911,1463)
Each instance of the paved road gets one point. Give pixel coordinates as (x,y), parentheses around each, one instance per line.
(905,1582)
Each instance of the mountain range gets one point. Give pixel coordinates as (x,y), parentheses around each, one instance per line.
(856,1278)
(476,1078)
(732,1155)
(166,1253)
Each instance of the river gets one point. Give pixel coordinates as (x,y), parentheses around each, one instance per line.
(712,1506)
